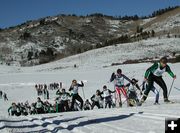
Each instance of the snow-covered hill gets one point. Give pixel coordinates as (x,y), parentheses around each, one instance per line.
(103,57)
(166,23)
(45,40)
(20,87)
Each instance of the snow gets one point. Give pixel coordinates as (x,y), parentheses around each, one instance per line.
(97,58)
(18,83)
(144,21)
(20,87)
(169,23)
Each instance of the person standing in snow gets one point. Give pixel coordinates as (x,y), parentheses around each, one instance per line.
(87,105)
(96,99)
(107,96)
(13,110)
(118,79)
(64,97)
(132,92)
(39,105)
(75,96)
(154,74)
(5,97)
(154,90)
(1,93)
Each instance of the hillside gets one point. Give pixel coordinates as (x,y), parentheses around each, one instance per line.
(52,38)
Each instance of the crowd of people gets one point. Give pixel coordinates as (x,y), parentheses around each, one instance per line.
(72,101)
(42,90)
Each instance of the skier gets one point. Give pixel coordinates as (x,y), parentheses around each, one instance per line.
(87,105)
(39,105)
(64,97)
(119,84)
(5,97)
(96,99)
(33,109)
(75,96)
(154,90)
(131,92)
(13,110)
(1,93)
(154,74)
(46,93)
(107,96)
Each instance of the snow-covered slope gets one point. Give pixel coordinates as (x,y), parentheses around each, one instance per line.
(167,23)
(149,119)
(99,58)
(18,83)
(20,87)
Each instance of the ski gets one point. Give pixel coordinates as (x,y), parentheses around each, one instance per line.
(171,102)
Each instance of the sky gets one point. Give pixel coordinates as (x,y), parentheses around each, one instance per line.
(14,12)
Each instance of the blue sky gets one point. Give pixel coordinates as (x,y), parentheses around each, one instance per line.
(13,12)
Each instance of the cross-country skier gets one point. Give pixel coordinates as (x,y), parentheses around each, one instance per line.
(96,99)
(13,110)
(64,97)
(154,74)
(107,96)
(5,97)
(131,92)
(1,93)
(87,105)
(119,84)
(39,106)
(154,90)
(75,96)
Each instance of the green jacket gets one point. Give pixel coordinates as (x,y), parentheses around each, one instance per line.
(155,67)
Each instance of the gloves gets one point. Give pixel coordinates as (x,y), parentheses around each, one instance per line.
(145,79)
(112,77)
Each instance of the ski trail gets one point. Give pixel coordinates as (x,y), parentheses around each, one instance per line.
(75,126)
(47,123)
(2,125)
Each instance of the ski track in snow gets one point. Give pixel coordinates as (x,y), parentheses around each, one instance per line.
(105,120)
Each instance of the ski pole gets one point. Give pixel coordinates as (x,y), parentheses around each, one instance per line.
(170,88)
(83,92)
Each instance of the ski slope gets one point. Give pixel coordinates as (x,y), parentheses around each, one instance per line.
(148,118)
(18,83)
(127,120)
